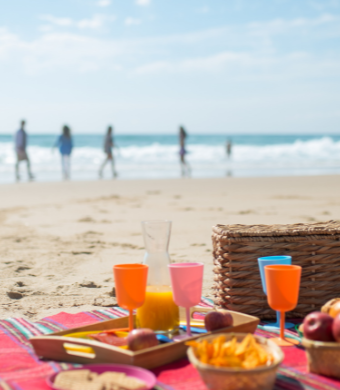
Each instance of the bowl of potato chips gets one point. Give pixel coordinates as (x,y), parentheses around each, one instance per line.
(235,361)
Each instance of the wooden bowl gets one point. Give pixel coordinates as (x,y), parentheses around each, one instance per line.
(221,378)
(323,358)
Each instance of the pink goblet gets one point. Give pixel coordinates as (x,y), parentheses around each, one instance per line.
(186,282)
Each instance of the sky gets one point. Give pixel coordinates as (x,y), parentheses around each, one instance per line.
(148,66)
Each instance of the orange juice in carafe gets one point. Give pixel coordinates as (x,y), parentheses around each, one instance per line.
(159,312)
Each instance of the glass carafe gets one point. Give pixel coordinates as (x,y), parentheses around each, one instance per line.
(159,312)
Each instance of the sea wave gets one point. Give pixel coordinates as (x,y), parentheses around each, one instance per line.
(156,160)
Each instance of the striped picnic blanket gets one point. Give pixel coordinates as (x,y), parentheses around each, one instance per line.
(20,368)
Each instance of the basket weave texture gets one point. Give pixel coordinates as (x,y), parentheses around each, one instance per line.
(323,358)
(237,282)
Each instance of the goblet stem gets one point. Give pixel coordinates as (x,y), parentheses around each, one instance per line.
(282,325)
(130,320)
(187,311)
(278,321)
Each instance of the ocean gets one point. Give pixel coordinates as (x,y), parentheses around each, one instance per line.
(157,157)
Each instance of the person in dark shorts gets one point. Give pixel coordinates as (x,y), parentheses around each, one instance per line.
(20,149)
(185,168)
(108,150)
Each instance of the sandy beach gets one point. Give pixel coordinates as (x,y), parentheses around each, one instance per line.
(59,240)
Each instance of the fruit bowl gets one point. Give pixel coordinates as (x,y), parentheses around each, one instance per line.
(222,378)
(323,357)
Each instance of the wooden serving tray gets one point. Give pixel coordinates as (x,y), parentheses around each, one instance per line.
(69,349)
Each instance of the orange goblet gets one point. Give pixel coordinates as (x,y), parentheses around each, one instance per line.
(283,284)
(130,281)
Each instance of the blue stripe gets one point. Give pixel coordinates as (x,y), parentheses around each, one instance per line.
(20,327)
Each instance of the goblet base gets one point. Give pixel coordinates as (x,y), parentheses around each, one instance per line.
(286,342)
(182,337)
(276,326)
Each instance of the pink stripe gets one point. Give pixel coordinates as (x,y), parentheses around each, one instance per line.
(117,313)
(28,326)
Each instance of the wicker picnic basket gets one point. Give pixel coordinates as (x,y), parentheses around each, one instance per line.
(237,285)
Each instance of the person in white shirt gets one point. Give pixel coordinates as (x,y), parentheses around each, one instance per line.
(20,149)
(108,150)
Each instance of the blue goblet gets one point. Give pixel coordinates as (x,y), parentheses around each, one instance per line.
(273,260)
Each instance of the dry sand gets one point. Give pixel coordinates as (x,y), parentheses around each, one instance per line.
(60,240)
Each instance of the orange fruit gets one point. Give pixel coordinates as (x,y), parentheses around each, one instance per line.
(335,309)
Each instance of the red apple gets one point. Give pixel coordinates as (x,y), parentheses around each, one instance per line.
(141,339)
(336,328)
(318,326)
(217,320)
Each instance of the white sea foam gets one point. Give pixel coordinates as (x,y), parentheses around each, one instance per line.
(316,156)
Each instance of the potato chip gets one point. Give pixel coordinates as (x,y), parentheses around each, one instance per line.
(218,352)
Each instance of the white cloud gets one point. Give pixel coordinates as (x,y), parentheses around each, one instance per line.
(97,21)
(143,2)
(237,49)
(57,21)
(283,25)
(132,21)
(322,5)
(242,67)
(103,3)
(67,52)
(212,63)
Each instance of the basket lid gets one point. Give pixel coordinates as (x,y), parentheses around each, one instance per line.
(297,229)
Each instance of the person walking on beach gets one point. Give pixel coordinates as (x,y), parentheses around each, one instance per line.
(65,145)
(108,150)
(182,152)
(20,149)
(228,148)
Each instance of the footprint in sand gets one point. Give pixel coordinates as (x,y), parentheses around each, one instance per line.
(22,268)
(243,212)
(20,239)
(126,245)
(308,218)
(18,291)
(86,219)
(105,221)
(30,314)
(104,302)
(90,285)
(14,294)
(90,232)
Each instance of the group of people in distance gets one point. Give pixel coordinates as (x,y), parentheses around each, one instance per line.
(65,144)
